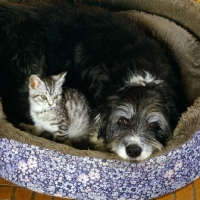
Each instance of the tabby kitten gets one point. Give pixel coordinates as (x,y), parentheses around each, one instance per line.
(64,113)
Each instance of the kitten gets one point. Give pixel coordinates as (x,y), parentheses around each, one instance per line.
(64,113)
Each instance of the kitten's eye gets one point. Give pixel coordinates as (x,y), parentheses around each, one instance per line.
(56,97)
(123,121)
(153,125)
(43,97)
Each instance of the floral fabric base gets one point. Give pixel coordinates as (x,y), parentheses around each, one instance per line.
(53,173)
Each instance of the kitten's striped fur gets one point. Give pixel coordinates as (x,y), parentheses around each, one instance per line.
(62,113)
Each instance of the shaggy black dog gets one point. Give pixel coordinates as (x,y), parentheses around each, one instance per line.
(126,75)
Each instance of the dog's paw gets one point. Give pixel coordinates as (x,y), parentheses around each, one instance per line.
(100,146)
(98,143)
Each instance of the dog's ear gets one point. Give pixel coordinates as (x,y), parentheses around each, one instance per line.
(164,136)
(173,111)
(102,131)
(101,121)
(172,103)
(100,124)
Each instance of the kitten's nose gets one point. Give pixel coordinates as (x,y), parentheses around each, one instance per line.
(50,104)
(133,150)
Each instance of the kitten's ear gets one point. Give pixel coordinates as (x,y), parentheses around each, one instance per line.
(34,81)
(60,78)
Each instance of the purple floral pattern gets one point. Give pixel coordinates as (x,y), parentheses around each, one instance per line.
(57,174)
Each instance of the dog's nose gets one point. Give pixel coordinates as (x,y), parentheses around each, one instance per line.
(133,150)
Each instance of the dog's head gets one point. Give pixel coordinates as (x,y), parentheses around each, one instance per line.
(137,120)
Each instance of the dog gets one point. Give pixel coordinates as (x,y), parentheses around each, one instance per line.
(138,119)
(128,77)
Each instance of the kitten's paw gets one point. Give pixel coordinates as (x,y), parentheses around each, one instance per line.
(24,127)
(37,130)
(67,142)
(34,130)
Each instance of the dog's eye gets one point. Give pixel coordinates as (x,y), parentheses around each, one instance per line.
(43,97)
(123,121)
(153,125)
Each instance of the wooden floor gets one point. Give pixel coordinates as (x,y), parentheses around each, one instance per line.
(190,192)
(10,191)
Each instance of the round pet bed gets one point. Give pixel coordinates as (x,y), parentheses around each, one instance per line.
(60,170)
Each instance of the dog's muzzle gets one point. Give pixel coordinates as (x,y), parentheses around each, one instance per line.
(133,150)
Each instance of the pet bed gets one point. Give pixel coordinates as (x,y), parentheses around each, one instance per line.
(56,169)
